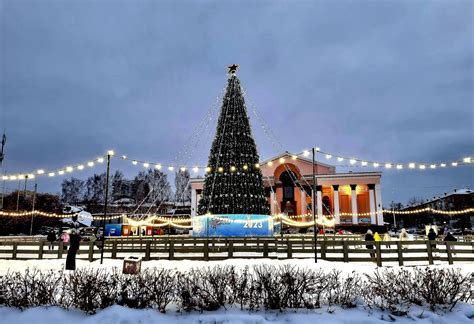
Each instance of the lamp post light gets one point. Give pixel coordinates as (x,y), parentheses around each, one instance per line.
(109,155)
(315,228)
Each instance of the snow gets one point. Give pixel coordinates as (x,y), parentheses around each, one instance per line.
(183,265)
(463,313)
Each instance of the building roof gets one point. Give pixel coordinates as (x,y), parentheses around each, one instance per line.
(455,192)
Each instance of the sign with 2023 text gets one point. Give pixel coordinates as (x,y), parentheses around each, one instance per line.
(228,225)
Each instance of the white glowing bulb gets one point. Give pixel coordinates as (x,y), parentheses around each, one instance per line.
(454,164)
(282,160)
(12,177)
(433,166)
(208,169)
(4,177)
(80,167)
(376,165)
(388,166)
(158,166)
(340,159)
(328,156)
(305,152)
(124,157)
(220,169)
(422,166)
(364,163)
(352,161)
(257,165)
(51,174)
(270,163)
(443,165)
(245,167)
(134,162)
(294,157)
(171,168)
(61,172)
(182,169)
(40,171)
(146,165)
(196,169)
(100,160)
(399,166)
(232,168)
(317,149)
(110,152)
(411,165)
(69,169)
(467,160)
(31,176)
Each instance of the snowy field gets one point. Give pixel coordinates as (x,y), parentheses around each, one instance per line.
(463,313)
(183,265)
(121,315)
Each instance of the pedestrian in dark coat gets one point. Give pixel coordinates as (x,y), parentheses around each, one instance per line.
(74,240)
(369,237)
(450,238)
(51,238)
(432,237)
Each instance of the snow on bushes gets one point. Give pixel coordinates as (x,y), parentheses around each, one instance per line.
(260,287)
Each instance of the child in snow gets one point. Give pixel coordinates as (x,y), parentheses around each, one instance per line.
(370,238)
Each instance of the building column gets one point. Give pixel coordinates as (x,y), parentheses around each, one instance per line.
(372,203)
(378,204)
(355,217)
(336,203)
(272,202)
(319,201)
(303,201)
(193,202)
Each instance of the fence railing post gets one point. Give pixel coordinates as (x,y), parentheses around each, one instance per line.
(265,249)
(15,249)
(91,251)
(206,250)
(289,248)
(170,249)
(429,251)
(448,251)
(345,251)
(114,249)
(378,254)
(323,248)
(400,253)
(230,249)
(41,250)
(147,250)
(60,250)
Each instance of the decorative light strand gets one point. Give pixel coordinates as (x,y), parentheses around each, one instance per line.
(356,162)
(54,173)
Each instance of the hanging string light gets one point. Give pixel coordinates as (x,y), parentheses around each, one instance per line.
(54,173)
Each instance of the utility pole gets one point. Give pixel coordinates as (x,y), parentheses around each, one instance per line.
(315,228)
(393,215)
(33,208)
(109,154)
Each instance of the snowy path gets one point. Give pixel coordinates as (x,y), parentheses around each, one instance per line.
(121,315)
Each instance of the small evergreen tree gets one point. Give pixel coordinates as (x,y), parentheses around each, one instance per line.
(233,183)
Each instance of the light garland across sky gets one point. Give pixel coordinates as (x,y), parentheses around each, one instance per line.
(58,172)
(357,162)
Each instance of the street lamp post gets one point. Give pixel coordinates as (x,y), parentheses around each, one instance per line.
(109,154)
(315,229)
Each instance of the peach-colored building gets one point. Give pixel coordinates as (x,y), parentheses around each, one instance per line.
(288,181)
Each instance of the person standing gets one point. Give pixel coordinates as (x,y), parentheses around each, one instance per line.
(368,239)
(387,238)
(51,238)
(432,238)
(74,241)
(403,237)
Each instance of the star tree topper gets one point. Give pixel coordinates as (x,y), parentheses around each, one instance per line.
(233,68)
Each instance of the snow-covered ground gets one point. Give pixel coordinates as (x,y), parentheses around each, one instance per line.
(183,265)
(463,313)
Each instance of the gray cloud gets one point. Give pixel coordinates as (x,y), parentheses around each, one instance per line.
(378,80)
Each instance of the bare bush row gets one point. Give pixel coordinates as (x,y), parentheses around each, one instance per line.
(261,287)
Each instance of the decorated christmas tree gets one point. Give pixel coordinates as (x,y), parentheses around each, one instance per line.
(233,183)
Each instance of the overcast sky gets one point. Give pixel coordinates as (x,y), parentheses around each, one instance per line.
(377,80)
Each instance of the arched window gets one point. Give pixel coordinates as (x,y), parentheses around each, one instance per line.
(326,205)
